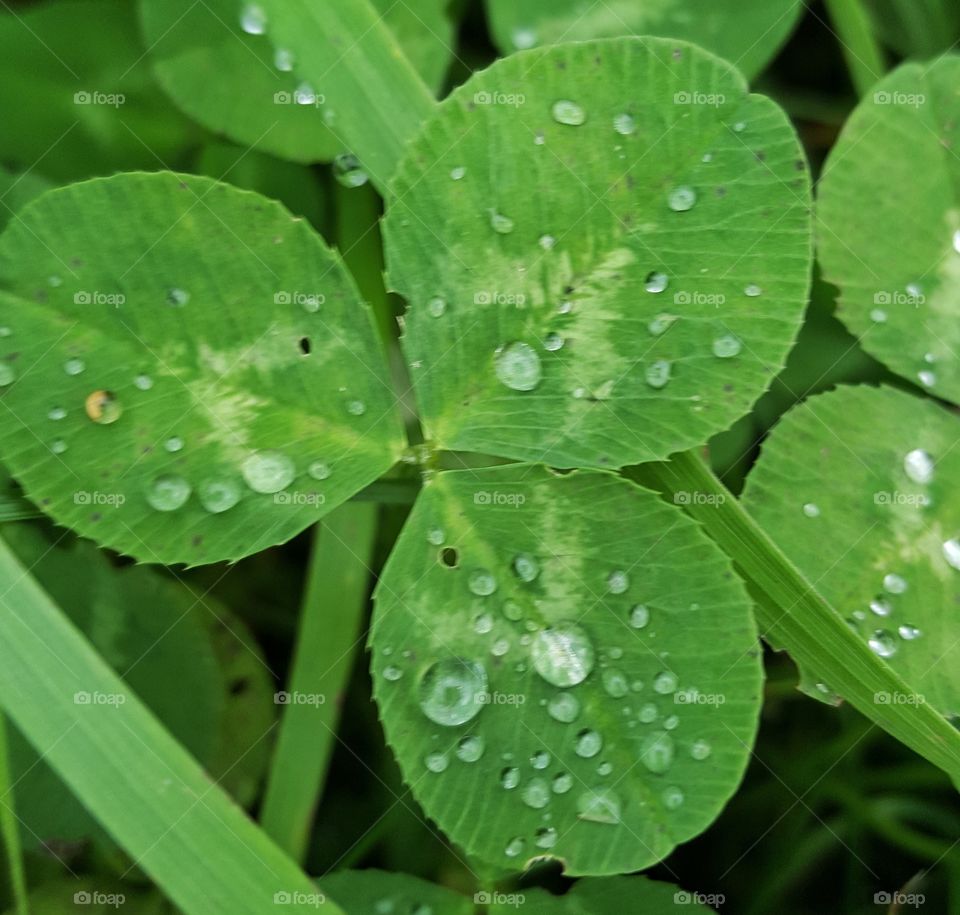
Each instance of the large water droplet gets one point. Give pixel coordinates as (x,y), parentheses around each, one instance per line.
(563,654)
(639,616)
(348,171)
(726,347)
(268,471)
(624,124)
(546,837)
(648,713)
(253,19)
(437,762)
(588,743)
(103,407)
(682,199)
(437,307)
(562,783)
(656,282)
(458,173)
(918,465)
(319,470)
(811,510)
(618,581)
(909,633)
(536,793)
(882,643)
(540,759)
(658,374)
(881,606)
(482,623)
(56,414)
(481,582)
(283,60)
(58,446)
(700,749)
(453,691)
(665,682)
(752,290)
(74,366)
(510,778)
(894,584)
(173,444)
(515,847)
(599,805)
(564,707)
(526,567)
(656,752)
(518,366)
(553,342)
(470,748)
(615,683)
(566,112)
(218,496)
(168,493)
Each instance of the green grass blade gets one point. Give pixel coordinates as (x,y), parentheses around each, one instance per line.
(10,829)
(861,50)
(802,622)
(198,846)
(330,624)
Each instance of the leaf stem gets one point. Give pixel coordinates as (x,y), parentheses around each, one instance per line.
(9,827)
(803,623)
(331,620)
(864,56)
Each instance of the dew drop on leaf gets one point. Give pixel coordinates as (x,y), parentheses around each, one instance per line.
(526,567)
(481,582)
(320,471)
(547,242)
(437,307)
(882,644)
(502,225)
(458,173)
(895,584)
(173,444)
(563,654)
(348,171)
(283,60)
(562,783)
(436,536)
(665,682)
(218,496)
(540,759)
(661,324)
(588,743)
(881,606)
(7,374)
(726,347)
(639,616)
(615,683)
(453,691)
(553,342)
(570,113)
(656,282)
(618,581)
(564,707)
(624,124)
(483,623)
(951,552)
(599,805)
(700,749)
(908,633)
(470,748)
(510,778)
(253,19)
(518,366)
(437,762)
(536,793)
(657,374)
(682,199)
(752,290)
(167,493)
(392,673)
(672,798)
(918,465)
(356,407)
(657,751)
(58,446)
(74,366)
(512,610)
(268,471)
(178,297)
(515,847)
(546,837)
(811,510)
(927,378)
(143,382)
(56,413)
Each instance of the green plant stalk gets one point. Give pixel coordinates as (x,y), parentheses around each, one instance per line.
(148,792)
(10,829)
(861,50)
(331,621)
(804,624)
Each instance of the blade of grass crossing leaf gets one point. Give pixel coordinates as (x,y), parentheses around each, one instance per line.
(9,828)
(861,50)
(147,791)
(346,52)
(330,623)
(804,623)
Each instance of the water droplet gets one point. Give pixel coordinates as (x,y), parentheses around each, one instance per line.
(173,444)
(624,124)
(458,173)
(894,584)
(553,342)
(523,38)
(7,374)
(510,778)
(618,581)
(348,171)
(739,127)
(253,19)
(168,493)
(453,691)
(918,465)
(470,748)
(58,446)
(481,582)
(811,510)
(392,673)
(682,199)
(588,744)
(658,374)
(536,793)
(305,94)
(882,643)
(563,654)
(437,306)
(500,647)
(956,241)
(661,324)
(268,471)
(639,616)
(878,316)
(56,413)
(700,749)
(752,290)
(540,759)
(672,798)
(951,552)
(143,382)
(881,606)
(512,610)
(178,297)
(319,470)
(909,633)
(515,847)
(665,682)
(74,366)
(615,683)
(656,752)
(599,805)
(546,837)
(526,567)
(518,366)
(562,783)
(283,60)
(483,623)
(648,713)
(927,378)
(564,707)
(547,242)
(356,407)
(671,722)
(218,496)
(656,282)
(605,768)
(5,331)
(437,762)
(726,347)
(103,407)
(502,225)
(566,112)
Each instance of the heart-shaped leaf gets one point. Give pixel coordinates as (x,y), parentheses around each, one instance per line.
(605,248)
(189,373)
(565,667)
(889,223)
(746,32)
(858,488)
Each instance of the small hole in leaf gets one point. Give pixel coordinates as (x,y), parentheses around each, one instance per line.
(305,346)
(449,557)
